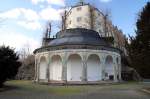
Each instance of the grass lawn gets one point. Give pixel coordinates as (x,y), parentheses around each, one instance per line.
(21,89)
(30,86)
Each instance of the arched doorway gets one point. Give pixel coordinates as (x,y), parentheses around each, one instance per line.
(74,68)
(56,68)
(93,68)
(43,68)
(109,68)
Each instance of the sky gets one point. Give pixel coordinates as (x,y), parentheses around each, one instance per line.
(22,22)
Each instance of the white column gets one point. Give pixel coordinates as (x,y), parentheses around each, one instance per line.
(35,74)
(64,68)
(47,73)
(84,66)
(102,60)
(115,72)
(119,66)
(38,66)
(84,70)
(48,68)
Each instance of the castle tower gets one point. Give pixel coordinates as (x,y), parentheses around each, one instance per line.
(84,15)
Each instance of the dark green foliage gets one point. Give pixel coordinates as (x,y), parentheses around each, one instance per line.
(139,48)
(9,64)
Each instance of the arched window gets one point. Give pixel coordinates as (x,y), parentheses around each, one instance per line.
(109,68)
(56,68)
(43,68)
(74,68)
(93,68)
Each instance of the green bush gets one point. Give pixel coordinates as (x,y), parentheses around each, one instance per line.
(9,64)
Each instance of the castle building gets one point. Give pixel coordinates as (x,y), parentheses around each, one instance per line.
(87,49)
(86,16)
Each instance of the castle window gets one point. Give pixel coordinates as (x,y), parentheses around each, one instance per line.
(79,19)
(79,8)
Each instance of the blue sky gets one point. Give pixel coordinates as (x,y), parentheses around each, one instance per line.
(23,21)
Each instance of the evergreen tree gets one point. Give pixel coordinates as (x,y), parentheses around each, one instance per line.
(9,64)
(139,48)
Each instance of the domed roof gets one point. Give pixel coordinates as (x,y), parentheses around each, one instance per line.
(78,37)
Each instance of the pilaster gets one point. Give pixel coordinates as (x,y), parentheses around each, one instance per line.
(119,68)
(48,68)
(38,68)
(84,65)
(64,67)
(115,72)
(35,68)
(102,60)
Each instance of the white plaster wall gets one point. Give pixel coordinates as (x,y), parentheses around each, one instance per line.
(84,13)
(78,69)
(93,68)
(56,68)
(74,68)
(42,70)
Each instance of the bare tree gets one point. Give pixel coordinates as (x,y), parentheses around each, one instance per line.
(107,18)
(26,71)
(25,52)
(108,13)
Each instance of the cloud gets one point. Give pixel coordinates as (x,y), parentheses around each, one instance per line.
(29,14)
(37,1)
(51,14)
(53,2)
(32,25)
(31,19)
(14,14)
(18,40)
(28,18)
(105,1)
(57,2)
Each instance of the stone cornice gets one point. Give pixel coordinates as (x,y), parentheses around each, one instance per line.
(52,48)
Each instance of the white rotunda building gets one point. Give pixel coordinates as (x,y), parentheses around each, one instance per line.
(77,55)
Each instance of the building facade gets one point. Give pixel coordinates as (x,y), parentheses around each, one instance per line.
(81,52)
(77,56)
